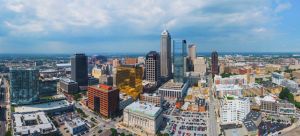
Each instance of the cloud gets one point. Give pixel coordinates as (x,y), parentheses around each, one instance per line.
(97,23)
(282,7)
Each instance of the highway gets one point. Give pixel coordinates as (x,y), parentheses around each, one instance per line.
(213,126)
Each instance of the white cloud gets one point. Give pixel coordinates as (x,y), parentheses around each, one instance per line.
(282,7)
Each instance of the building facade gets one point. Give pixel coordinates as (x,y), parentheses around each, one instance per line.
(192,52)
(165,55)
(214,63)
(152,67)
(129,80)
(24,85)
(234,109)
(172,91)
(179,60)
(79,69)
(68,86)
(103,99)
(145,117)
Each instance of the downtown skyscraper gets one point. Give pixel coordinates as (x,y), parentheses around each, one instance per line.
(152,68)
(214,63)
(79,69)
(24,85)
(179,60)
(165,56)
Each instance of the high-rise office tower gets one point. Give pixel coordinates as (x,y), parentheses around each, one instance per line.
(152,67)
(165,55)
(103,99)
(192,52)
(79,69)
(179,60)
(214,63)
(128,80)
(24,85)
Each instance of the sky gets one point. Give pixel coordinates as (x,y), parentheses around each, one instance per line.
(134,26)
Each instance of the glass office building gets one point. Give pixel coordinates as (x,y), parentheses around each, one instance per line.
(179,54)
(24,85)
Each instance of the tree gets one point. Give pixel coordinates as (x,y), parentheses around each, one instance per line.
(284,94)
(114,132)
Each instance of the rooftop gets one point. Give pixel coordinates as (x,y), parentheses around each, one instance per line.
(269,98)
(144,109)
(250,125)
(172,85)
(43,106)
(228,87)
(38,122)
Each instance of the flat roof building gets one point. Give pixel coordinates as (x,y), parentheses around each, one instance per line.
(144,116)
(36,123)
(172,91)
(69,86)
(103,99)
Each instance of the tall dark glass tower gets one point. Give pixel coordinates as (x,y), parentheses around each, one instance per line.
(179,54)
(214,63)
(165,55)
(152,67)
(79,69)
(24,85)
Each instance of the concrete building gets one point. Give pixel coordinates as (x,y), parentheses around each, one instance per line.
(96,72)
(232,80)
(291,85)
(277,78)
(199,65)
(152,68)
(286,108)
(165,55)
(76,126)
(35,123)
(24,85)
(79,70)
(125,100)
(234,109)
(103,99)
(130,61)
(172,91)
(145,117)
(192,52)
(69,86)
(154,99)
(269,104)
(223,90)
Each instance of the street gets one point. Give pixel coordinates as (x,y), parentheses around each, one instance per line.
(2,108)
(212,114)
(102,125)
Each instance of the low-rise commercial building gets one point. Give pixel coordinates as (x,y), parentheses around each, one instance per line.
(172,91)
(69,86)
(223,90)
(35,123)
(154,98)
(76,126)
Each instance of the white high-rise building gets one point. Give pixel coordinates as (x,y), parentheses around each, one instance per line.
(165,55)
(234,109)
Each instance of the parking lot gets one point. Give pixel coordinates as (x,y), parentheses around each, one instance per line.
(271,127)
(188,123)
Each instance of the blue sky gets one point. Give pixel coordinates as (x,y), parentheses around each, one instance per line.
(95,26)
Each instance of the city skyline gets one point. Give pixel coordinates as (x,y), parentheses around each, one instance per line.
(114,27)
